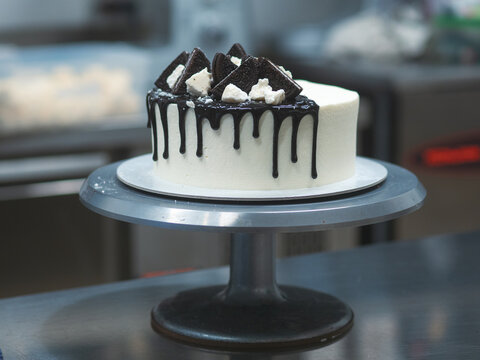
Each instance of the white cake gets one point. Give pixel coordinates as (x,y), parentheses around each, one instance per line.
(213,161)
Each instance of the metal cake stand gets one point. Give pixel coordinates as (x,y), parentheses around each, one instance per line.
(252,311)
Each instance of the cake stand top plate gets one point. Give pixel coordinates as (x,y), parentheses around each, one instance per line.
(400,194)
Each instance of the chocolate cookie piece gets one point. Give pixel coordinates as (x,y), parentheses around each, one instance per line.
(161,82)
(222,66)
(244,77)
(237,50)
(196,62)
(277,79)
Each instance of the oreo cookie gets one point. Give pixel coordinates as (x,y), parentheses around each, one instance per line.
(237,50)
(196,62)
(277,79)
(222,66)
(244,77)
(161,82)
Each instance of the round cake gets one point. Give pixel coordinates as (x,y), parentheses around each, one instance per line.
(243,123)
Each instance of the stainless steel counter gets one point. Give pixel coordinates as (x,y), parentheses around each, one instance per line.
(412,300)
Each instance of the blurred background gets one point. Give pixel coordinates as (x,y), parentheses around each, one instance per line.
(74,73)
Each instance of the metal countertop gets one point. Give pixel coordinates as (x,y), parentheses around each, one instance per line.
(412,300)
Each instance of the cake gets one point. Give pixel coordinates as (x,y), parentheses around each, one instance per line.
(243,123)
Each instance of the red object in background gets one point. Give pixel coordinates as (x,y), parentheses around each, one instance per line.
(455,154)
(442,156)
(166,272)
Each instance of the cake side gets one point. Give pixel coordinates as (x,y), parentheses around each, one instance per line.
(337,130)
(250,166)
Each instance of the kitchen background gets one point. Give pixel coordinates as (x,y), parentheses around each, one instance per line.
(73,74)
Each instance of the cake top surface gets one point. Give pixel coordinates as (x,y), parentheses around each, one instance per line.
(327,95)
(234,77)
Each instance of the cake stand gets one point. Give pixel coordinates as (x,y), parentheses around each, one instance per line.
(252,311)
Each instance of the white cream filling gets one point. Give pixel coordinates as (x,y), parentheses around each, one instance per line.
(173,77)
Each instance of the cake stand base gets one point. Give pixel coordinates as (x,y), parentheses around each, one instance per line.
(204,316)
(253,311)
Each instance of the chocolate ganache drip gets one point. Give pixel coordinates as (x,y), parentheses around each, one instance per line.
(238,84)
(214,111)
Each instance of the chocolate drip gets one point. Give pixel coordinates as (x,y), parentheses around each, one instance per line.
(147,101)
(182,109)
(256,125)
(163,118)
(213,113)
(153,124)
(295,125)
(237,117)
(314,147)
(199,135)
(277,123)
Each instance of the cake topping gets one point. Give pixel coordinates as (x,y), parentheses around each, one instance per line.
(237,51)
(258,91)
(263,92)
(251,70)
(237,61)
(259,77)
(172,79)
(196,62)
(199,84)
(278,79)
(289,74)
(221,67)
(275,97)
(243,77)
(161,82)
(233,94)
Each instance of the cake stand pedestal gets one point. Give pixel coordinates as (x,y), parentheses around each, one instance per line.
(253,311)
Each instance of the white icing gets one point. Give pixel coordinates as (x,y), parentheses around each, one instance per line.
(250,167)
(258,90)
(237,61)
(199,83)
(190,104)
(274,97)
(173,77)
(261,91)
(233,94)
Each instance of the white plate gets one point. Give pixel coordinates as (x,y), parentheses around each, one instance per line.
(138,172)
